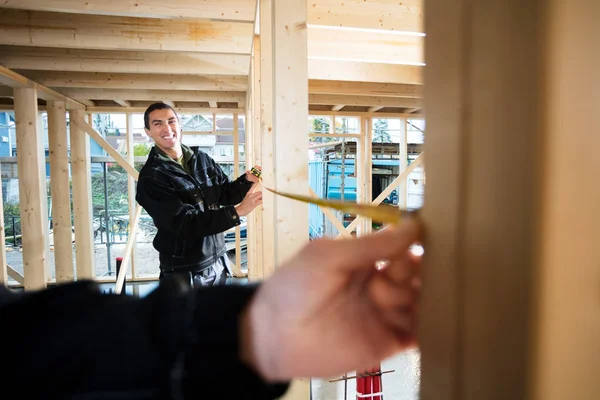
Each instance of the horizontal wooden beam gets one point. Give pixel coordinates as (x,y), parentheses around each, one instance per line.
(367,46)
(365,89)
(70,79)
(362,71)
(180,110)
(406,15)
(13,79)
(365,101)
(44,29)
(235,10)
(153,95)
(109,61)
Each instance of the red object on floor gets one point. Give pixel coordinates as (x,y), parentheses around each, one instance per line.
(369,384)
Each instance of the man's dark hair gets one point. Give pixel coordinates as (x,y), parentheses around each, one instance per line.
(154,107)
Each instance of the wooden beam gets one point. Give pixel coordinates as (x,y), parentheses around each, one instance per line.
(99,32)
(123,103)
(154,95)
(81,124)
(13,79)
(412,110)
(180,110)
(226,10)
(406,15)
(366,46)
(213,104)
(366,101)
(32,189)
(135,62)
(170,103)
(93,80)
(60,191)
(3,263)
(284,94)
(338,107)
(82,198)
(359,71)
(365,89)
(375,109)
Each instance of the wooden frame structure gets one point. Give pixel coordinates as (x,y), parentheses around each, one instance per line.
(511,268)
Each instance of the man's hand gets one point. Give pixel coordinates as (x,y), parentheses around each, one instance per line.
(252,200)
(250,177)
(330,310)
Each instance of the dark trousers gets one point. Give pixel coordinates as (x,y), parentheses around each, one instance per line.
(213,275)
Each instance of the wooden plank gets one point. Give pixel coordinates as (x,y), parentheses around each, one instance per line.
(60,191)
(236,172)
(406,15)
(267,99)
(360,71)
(82,198)
(3,268)
(257,148)
(134,62)
(32,187)
(94,80)
(131,183)
(226,10)
(99,32)
(364,89)
(81,124)
(565,345)
(153,95)
(180,110)
(480,210)
(367,101)
(285,114)
(128,249)
(11,78)
(332,43)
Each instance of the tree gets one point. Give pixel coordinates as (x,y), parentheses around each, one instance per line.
(380,132)
(320,125)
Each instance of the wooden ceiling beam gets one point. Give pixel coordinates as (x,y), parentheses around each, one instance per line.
(364,89)
(68,79)
(363,71)
(234,10)
(154,95)
(363,101)
(369,46)
(145,62)
(101,32)
(13,79)
(114,61)
(406,15)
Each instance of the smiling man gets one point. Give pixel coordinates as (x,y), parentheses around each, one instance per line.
(191,201)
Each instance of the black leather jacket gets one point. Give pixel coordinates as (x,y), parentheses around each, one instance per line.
(190,211)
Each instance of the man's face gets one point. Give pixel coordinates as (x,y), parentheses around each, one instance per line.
(164,129)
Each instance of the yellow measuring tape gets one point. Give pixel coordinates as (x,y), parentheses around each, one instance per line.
(379,213)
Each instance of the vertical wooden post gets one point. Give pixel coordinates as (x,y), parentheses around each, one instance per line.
(60,191)
(284,96)
(3,269)
(32,197)
(509,308)
(566,335)
(267,100)
(82,199)
(131,189)
(257,147)
(236,173)
(403,163)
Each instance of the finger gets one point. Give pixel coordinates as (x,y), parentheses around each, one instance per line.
(385,294)
(402,270)
(365,251)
